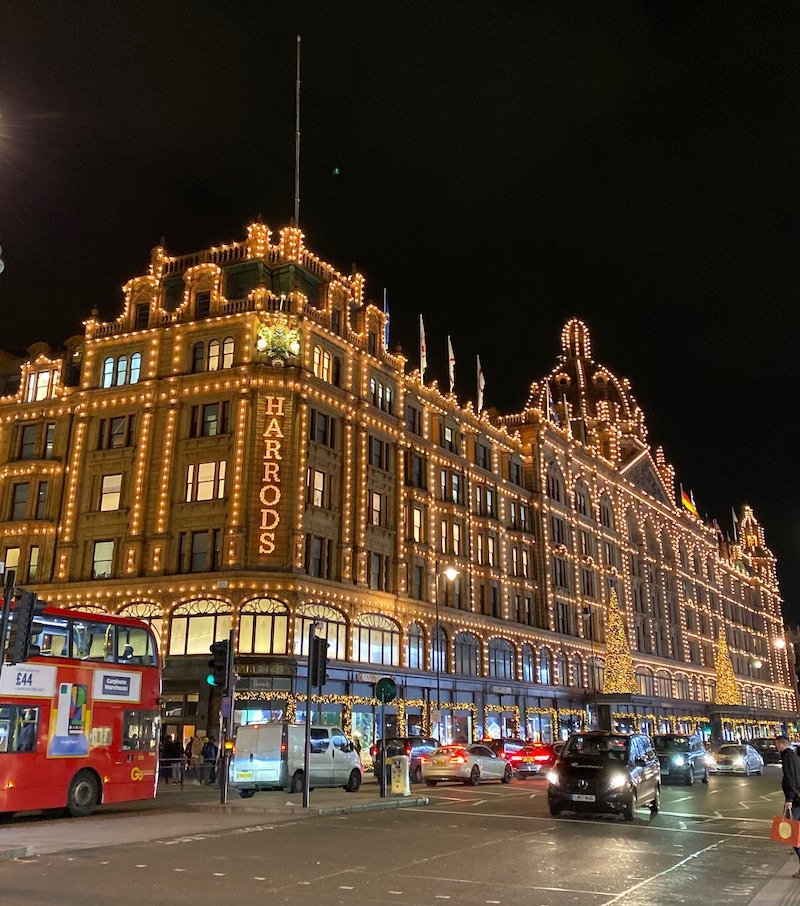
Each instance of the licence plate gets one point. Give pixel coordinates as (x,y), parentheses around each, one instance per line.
(439,761)
(581,797)
(244,774)
(527,760)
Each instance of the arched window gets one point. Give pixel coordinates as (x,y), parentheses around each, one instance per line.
(213,355)
(634,535)
(198,357)
(597,674)
(108,372)
(606,512)
(561,676)
(195,625)
(577,672)
(415,647)
(439,660)
(555,484)
(682,688)
(334,630)
(467,652)
(582,500)
(326,366)
(148,613)
(663,684)
(122,370)
(644,681)
(136,367)
(317,362)
(501,659)
(264,627)
(376,640)
(227,352)
(545,668)
(528,665)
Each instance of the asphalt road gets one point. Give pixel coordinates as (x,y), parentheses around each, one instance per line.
(491,844)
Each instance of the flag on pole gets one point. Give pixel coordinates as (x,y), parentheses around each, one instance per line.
(481,385)
(386,322)
(423,350)
(687,502)
(451,364)
(735,526)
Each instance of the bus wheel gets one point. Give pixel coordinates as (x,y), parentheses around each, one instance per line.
(83,795)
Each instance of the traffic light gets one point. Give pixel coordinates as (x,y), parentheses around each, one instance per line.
(26,606)
(219,665)
(319,662)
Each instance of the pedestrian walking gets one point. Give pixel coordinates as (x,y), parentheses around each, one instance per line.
(210,751)
(790,782)
(196,758)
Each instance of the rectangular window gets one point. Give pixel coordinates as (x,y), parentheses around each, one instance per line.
(449,438)
(19,501)
(336,320)
(213,419)
(443,536)
(314,547)
(455,487)
(588,582)
(116,432)
(110,492)
(102,559)
(457,539)
(27,441)
(376,508)
(413,420)
(202,305)
(205,480)
(526,566)
(514,561)
(33,564)
(516,473)
(491,549)
(142,318)
(479,549)
(41,500)
(560,574)
(483,456)
(491,502)
(376,571)
(416,524)
(316,487)
(417,581)
(49,440)
(204,551)
(11,558)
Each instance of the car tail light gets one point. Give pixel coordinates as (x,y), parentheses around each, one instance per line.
(541,758)
(373,750)
(459,758)
(424,759)
(408,749)
(516,758)
(283,747)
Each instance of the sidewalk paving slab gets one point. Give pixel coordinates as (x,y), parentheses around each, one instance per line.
(782,890)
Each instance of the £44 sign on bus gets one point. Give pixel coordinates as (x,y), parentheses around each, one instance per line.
(23,678)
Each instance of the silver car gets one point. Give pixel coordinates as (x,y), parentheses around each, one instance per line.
(465,764)
(736,758)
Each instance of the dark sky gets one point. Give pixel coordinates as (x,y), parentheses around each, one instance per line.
(503,167)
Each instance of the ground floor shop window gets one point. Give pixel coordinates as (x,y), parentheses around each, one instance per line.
(539,727)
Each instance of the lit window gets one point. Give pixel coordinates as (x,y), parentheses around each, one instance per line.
(213,355)
(122,370)
(102,559)
(110,491)
(136,367)
(108,372)
(227,352)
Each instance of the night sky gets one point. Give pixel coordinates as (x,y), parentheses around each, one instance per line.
(502,168)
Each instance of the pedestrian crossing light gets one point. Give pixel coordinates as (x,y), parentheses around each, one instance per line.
(218,677)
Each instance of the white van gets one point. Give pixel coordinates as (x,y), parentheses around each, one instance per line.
(270,757)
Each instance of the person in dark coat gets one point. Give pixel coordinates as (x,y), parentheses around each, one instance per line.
(790,781)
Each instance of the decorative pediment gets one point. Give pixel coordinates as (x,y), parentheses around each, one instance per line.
(643,473)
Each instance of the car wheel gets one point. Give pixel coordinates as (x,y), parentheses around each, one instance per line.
(705,776)
(655,805)
(84,794)
(417,775)
(555,811)
(297,782)
(507,774)
(431,782)
(354,782)
(247,794)
(629,811)
(474,776)
(747,770)
(690,776)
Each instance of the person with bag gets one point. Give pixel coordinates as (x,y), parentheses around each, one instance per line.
(790,783)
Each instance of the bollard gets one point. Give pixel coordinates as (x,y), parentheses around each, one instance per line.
(400,780)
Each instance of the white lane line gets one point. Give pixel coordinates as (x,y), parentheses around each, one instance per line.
(136,866)
(345,887)
(599,893)
(442,896)
(745,806)
(219,874)
(179,869)
(397,893)
(258,878)
(682,799)
(661,874)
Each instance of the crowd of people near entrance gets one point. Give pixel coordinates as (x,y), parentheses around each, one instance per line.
(196,762)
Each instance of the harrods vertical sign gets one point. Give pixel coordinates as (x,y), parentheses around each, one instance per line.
(271,491)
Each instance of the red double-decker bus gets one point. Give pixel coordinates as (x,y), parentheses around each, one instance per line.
(79,719)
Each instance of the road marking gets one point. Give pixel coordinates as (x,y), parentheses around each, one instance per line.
(257,878)
(745,806)
(137,866)
(397,893)
(682,799)
(493,901)
(442,896)
(661,874)
(219,874)
(476,802)
(179,869)
(345,887)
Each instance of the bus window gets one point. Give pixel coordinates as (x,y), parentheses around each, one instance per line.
(19,728)
(50,637)
(140,730)
(135,646)
(93,641)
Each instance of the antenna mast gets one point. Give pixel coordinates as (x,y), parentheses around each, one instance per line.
(297,141)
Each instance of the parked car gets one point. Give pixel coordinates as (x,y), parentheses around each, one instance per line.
(413,746)
(736,758)
(601,771)
(682,758)
(505,747)
(534,759)
(270,756)
(766,748)
(465,764)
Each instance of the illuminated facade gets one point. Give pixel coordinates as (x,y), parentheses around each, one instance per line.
(239,450)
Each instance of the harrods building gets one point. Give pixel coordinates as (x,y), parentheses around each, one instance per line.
(239,449)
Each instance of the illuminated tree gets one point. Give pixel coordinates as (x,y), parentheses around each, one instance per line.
(727,691)
(619,675)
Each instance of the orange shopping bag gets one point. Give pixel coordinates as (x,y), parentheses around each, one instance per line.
(785,829)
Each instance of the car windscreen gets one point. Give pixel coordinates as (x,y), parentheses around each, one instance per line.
(603,748)
(668,744)
(731,750)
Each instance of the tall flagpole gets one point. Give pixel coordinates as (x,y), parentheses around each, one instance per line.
(451,364)
(297,141)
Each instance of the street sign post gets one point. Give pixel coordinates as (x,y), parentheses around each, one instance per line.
(385,691)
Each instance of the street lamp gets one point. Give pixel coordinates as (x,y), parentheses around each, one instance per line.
(587,616)
(451,574)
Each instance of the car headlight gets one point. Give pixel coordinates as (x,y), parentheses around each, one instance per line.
(678,760)
(552,777)
(738,762)
(616,781)
(710,760)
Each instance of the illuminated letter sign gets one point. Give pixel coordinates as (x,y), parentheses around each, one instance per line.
(269,494)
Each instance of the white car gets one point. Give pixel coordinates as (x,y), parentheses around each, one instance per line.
(465,764)
(736,758)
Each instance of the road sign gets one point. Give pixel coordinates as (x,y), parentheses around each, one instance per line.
(385,690)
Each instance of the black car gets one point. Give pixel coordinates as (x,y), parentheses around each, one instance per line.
(682,758)
(766,748)
(413,746)
(602,771)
